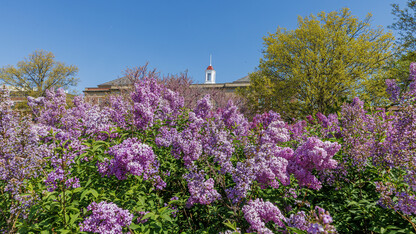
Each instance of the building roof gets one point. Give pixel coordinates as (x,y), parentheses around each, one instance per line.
(123,81)
(245,79)
(210,67)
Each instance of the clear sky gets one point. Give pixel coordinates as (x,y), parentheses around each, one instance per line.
(103,38)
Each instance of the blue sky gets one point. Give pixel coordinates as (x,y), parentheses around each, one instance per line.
(103,38)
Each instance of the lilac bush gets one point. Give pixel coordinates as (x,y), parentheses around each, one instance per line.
(171,168)
(21,160)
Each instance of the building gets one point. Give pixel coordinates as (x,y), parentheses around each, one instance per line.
(116,86)
(228,87)
(15,94)
(98,94)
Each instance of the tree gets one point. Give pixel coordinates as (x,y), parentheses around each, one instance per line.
(37,73)
(405,24)
(327,60)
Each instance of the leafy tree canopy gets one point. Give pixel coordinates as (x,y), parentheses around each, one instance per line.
(37,73)
(406,24)
(328,59)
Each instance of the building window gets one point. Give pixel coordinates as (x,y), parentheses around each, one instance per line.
(209,77)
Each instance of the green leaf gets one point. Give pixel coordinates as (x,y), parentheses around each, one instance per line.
(94,192)
(295,230)
(230,225)
(134,226)
(83,194)
(74,218)
(148,215)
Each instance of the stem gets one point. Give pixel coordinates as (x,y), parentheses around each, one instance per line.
(15,220)
(63,190)
(407,219)
(63,201)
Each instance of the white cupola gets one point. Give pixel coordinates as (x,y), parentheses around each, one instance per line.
(210,73)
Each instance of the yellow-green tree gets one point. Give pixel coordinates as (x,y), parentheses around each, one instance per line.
(328,59)
(37,73)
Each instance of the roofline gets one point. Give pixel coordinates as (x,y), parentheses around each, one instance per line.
(221,85)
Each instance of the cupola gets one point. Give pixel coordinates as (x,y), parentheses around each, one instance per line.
(210,73)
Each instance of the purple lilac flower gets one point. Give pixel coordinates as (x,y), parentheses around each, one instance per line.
(243,175)
(234,120)
(299,221)
(268,169)
(315,228)
(152,101)
(62,160)
(203,107)
(393,90)
(321,222)
(258,213)
(132,157)
(313,155)
(275,132)
(231,231)
(83,119)
(297,132)
(265,119)
(202,191)
(106,217)
(412,77)
(310,119)
(317,221)
(140,218)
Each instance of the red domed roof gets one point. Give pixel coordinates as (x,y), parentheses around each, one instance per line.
(210,67)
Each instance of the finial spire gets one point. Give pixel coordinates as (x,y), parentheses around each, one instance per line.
(210,58)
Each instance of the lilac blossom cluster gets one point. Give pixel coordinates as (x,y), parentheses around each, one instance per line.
(317,221)
(314,154)
(83,119)
(106,217)
(202,190)
(393,90)
(141,214)
(404,201)
(258,213)
(152,101)
(63,150)
(132,157)
(172,207)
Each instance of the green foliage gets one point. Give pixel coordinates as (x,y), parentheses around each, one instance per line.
(329,58)
(37,73)
(405,24)
(398,69)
